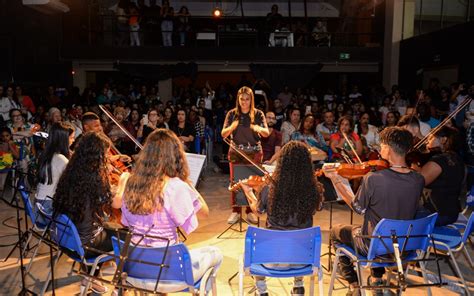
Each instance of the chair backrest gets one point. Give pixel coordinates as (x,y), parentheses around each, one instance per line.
(265,246)
(175,257)
(469,228)
(64,233)
(25,197)
(422,228)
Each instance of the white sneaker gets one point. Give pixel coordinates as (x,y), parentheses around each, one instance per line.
(233,218)
(252,218)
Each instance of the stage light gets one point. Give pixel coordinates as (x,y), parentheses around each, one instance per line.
(217,12)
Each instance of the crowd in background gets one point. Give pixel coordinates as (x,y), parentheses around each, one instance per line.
(197,114)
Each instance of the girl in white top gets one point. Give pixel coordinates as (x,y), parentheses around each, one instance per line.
(52,163)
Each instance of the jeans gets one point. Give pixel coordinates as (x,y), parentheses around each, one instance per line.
(261,283)
(134,37)
(167,33)
(47,208)
(348,235)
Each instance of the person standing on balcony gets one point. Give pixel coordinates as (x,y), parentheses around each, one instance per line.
(167,23)
(134,24)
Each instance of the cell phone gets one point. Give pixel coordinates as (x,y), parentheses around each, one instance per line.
(145,119)
(308,110)
(259,92)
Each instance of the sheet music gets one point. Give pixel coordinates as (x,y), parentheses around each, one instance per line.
(328,167)
(195,163)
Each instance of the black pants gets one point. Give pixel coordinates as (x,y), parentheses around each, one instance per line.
(347,235)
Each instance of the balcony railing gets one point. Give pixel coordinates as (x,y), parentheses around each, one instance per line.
(106,30)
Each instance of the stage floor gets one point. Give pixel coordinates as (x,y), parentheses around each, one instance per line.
(214,189)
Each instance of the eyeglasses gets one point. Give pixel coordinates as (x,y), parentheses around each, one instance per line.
(16,115)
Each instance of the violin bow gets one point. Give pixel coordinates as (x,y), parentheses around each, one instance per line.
(458,109)
(352,147)
(124,130)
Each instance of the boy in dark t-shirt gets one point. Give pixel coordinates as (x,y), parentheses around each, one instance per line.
(393,193)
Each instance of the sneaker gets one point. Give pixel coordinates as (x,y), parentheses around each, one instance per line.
(376,282)
(233,218)
(298,291)
(251,218)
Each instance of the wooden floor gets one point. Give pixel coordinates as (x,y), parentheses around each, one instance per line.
(213,188)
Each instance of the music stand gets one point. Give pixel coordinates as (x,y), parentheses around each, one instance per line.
(330,197)
(240,172)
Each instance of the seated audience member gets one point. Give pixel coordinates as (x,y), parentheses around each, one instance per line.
(320,34)
(159,197)
(367,132)
(271,144)
(308,134)
(8,153)
(291,125)
(338,142)
(327,127)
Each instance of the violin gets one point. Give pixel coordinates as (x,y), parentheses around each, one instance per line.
(358,170)
(255,182)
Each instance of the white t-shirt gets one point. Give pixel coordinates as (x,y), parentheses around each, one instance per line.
(372,137)
(58,164)
(6,105)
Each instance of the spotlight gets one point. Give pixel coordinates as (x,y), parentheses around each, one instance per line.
(217,12)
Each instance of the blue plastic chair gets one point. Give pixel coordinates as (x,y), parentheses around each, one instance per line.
(461,223)
(144,264)
(264,247)
(37,228)
(64,233)
(450,241)
(415,247)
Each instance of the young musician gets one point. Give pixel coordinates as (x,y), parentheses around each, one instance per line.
(52,163)
(444,174)
(84,191)
(393,193)
(159,197)
(245,124)
(289,200)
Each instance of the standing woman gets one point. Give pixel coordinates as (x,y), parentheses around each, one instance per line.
(345,126)
(159,197)
(148,126)
(444,174)
(184,130)
(245,125)
(52,163)
(84,191)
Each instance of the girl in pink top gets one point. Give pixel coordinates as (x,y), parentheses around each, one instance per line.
(159,197)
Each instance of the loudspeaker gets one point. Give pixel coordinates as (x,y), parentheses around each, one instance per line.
(240,172)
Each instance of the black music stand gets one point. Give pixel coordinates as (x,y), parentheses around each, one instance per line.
(330,197)
(240,172)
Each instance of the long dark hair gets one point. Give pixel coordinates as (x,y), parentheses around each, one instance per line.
(58,143)
(313,129)
(295,191)
(84,184)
